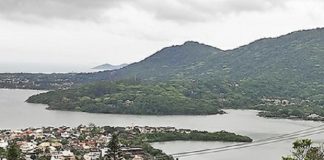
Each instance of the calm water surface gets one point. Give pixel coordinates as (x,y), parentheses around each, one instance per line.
(15,113)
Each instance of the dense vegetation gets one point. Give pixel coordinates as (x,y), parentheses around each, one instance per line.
(137,141)
(293,111)
(287,68)
(196,136)
(127,98)
(304,150)
(143,140)
(181,97)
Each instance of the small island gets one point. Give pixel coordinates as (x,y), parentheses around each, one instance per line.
(188,135)
(94,142)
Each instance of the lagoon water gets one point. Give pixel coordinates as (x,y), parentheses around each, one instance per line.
(16,114)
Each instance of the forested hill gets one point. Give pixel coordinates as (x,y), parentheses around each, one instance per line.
(169,63)
(283,75)
(296,57)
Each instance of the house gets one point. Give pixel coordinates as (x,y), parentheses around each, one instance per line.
(187,131)
(65,135)
(3,144)
(138,157)
(64,155)
(313,116)
(27,147)
(103,139)
(170,129)
(92,156)
(285,102)
(104,151)
(56,156)
(68,155)
(44,145)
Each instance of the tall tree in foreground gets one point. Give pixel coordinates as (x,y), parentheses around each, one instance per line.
(114,148)
(13,152)
(303,150)
(2,153)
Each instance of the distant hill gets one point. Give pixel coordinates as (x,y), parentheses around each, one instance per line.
(109,66)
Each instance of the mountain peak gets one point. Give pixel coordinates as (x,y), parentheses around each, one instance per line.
(191,43)
(197,44)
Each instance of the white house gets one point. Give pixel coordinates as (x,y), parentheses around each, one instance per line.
(27,147)
(3,144)
(92,156)
(65,135)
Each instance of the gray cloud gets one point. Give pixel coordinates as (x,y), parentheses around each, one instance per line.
(55,9)
(172,10)
(202,10)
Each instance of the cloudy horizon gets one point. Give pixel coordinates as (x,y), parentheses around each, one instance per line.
(123,31)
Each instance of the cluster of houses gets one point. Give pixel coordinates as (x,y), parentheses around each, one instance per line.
(83,142)
(20,81)
(14,82)
(293,101)
(277,101)
(147,129)
(285,102)
(64,143)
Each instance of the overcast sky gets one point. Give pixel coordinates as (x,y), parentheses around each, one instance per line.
(118,31)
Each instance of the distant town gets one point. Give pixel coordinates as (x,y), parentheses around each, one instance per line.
(84,142)
(36,81)
(98,143)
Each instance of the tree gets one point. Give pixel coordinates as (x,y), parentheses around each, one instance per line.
(2,153)
(64,142)
(13,152)
(33,157)
(303,150)
(114,148)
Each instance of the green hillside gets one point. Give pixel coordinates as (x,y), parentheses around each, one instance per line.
(288,65)
(260,75)
(175,62)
